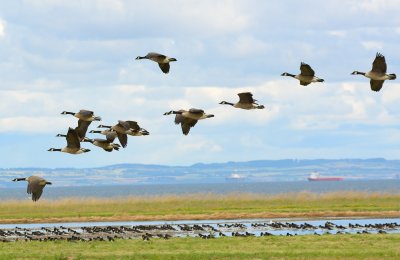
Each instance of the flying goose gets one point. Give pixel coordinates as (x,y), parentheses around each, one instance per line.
(378,73)
(107,144)
(306,75)
(188,119)
(73,144)
(84,115)
(35,186)
(81,129)
(246,101)
(162,60)
(124,128)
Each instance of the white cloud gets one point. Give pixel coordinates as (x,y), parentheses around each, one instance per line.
(2,28)
(372,45)
(338,33)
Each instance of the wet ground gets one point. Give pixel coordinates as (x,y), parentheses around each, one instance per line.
(207,229)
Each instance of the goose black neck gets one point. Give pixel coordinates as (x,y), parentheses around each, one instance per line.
(19,179)
(48,183)
(226,103)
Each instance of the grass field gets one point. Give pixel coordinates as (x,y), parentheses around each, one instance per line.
(302,247)
(203,206)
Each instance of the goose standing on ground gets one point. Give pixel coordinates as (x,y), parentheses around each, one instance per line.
(162,60)
(306,76)
(84,115)
(188,119)
(73,144)
(378,73)
(35,185)
(81,129)
(124,128)
(246,101)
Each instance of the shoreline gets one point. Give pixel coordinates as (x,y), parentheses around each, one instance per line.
(214,216)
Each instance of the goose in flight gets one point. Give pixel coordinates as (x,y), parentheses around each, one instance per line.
(73,144)
(162,60)
(84,115)
(107,144)
(246,101)
(124,128)
(188,119)
(306,76)
(81,129)
(378,73)
(35,185)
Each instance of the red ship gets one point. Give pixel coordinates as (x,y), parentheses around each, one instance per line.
(315,176)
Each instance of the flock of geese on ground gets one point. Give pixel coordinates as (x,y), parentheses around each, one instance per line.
(204,231)
(186,118)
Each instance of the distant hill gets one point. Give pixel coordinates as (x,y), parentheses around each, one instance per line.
(251,171)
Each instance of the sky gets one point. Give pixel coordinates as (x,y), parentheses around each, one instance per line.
(71,55)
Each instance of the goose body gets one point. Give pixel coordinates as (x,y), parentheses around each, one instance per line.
(73,144)
(306,76)
(162,60)
(35,187)
(84,115)
(246,101)
(107,144)
(188,119)
(377,74)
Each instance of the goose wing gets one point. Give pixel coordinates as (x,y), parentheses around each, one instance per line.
(35,187)
(376,85)
(133,125)
(186,124)
(155,55)
(246,98)
(164,67)
(196,111)
(379,64)
(86,113)
(82,128)
(306,70)
(73,139)
(123,139)
(111,136)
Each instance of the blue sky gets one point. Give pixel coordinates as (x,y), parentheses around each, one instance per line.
(69,55)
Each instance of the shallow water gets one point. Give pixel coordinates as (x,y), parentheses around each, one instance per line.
(389,186)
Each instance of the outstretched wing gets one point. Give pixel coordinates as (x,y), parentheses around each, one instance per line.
(376,85)
(246,98)
(379,64)
(164,67)
(196,111)
(306,70)
(133,125)
(123,139)
(86,113)
(73,139)
(186,124)
(82,127)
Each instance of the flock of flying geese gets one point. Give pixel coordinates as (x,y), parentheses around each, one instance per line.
(186,118)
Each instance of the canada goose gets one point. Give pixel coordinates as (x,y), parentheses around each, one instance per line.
(162,60)
(188,119)
(35,185)
(73,144)
(81,129)
(84,115)
(378,73)
(107,144)
(306,75)
(124,128)
(246,101)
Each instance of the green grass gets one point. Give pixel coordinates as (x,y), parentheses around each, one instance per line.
(201,206)
(300,247)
